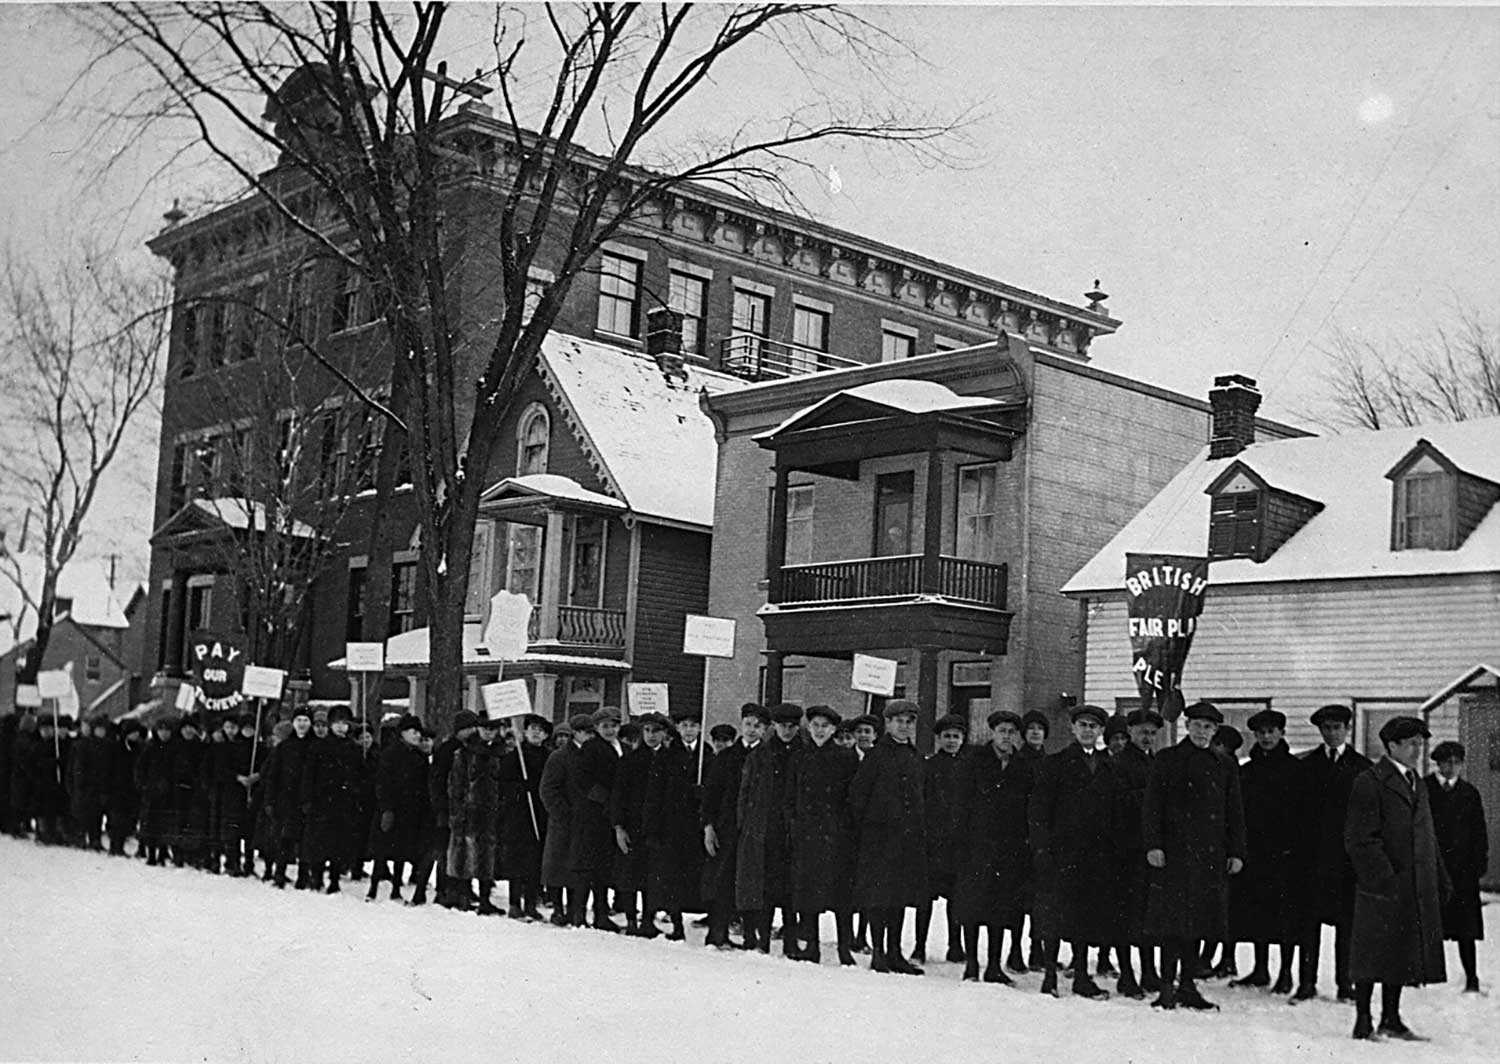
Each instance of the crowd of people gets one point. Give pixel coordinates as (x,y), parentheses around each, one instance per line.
(1155,863)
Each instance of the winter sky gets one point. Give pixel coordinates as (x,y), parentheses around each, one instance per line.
(1242,180)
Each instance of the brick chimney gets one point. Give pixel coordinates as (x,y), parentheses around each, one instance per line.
(1232,402)
(664,341)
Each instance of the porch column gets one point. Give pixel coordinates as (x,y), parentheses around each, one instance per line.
(927,694)
(176,622)
(544,695)
(416,696)
(774,659)
(776,543)
(552,567)
(932,525)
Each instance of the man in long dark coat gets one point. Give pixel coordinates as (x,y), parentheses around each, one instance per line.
(330,792)
(940,782)
(886,804)
(627,806)
(1069,821)
(719,815)
(669,822)
(153,782)
(1458,819)
(465,723)
(46,761)
(556,793)
(591,843)
(1331,771)
(189,831)
(523,817)
(123,802)
(227,764)
(994,854)
(403,809)
(88,781)
(1193,828)
(1035,727)
(763,866)
(283,797)
(1401,884)
(1132,767)
(474,815)
(822,836)
(1265,899)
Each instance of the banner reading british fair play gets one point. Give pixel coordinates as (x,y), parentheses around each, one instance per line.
(1163,596)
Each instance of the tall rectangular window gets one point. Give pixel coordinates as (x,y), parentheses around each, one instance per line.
(346,311)
(213,332)
(1234,525)
(163,634)
(200,606)
(190,338)
(751,313)
(354,607)
(403,597)
(894,494)
(523,564)
(584,554)
(799,524)
(977,512)
(1424,512)
(177,489)
(249,317)
(687,295)
(894,346)
(809,335)
(619,295)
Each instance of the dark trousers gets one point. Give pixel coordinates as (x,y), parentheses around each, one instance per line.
(1312,945)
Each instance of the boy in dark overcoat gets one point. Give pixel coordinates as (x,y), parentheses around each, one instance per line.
(283,797)
(1035,727)
(225,766)
(719,816)
(523,817)
(153,782)
(1458,819)
(1132,769)
(940,778)
(669,821)
(474,814)
(402,807)
(1193,828)
(188,835)
(763,866)
(465,724)
(886,805)
(123,802)
(627,804)
(591,843)
(1400,882)
(822,836)
(1069,822)
(994,855)
(88,781)
(556,791)
(330,793)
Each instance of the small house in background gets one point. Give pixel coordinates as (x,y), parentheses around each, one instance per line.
(1362,569)
(97,628)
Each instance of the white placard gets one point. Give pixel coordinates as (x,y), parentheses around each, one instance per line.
(506,698)
(187,697)
(364,657)
(875,676)
(646,698)
(507,631)
(28,696)
(54,683)
(262,682)
(709,637)
(68,702)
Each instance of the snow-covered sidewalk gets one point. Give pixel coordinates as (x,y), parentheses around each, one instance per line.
(106,959)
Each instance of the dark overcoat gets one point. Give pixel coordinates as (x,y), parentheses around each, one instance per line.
(591,842)
(20,797)
(627,800)
(1194,815)
(720,809)
(821,827)
(1069,820)
(228,798)
(940,782)
(669,820)
(555,791)
(520,798)
(47,768)
(1266,898)
(763,867)
(88,779)
(330,793)
(124,801)
(400,790)
(154,784)
(886,804)
(1400,882)
(1132,769)
(283,787)
(189,817)
(474,810)
(437,779)
(369,767)
(1458,820)
(1323,864)
(993,848)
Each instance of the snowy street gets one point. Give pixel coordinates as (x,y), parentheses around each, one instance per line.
(107,959)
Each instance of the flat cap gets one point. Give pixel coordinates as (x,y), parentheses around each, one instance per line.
(723,733)
(320,716)
(951,722)
(632,729)
(1448,750)
(758,712)
(823,712)
(1116,725)
(1144,716)
(786,713)
(1003,716)
(868,720)
(1093,712)
(301,711)
(1399,729)
(465,718)
(1332,714)
(900,707)
(604,713)
(580,722)
(1203,711)
(409,722)
(1229,738)
(1036,716)
(1267,718)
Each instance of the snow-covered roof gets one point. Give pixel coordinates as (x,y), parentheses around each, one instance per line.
(648,440)
(238,512)
(899,395)
(85,581)
(1349,537)
(551,486)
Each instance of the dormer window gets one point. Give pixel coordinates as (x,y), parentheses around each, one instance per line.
(1234,520)
(1424,507)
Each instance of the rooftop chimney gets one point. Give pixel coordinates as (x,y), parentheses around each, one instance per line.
(1232,402)
(664,341)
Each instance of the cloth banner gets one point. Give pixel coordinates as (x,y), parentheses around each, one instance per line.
(1163,598)
(219,666)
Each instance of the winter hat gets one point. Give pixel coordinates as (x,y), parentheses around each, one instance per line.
(1003,716)
(320,716)
(823,712)
(631,730)
(464,718)
(1204,711)
(786,713)
(1229,738)
(339,712)
(1332,714)
(1267,718)
(282,730)
(1036,716)
(409,722)
(1448,750)
(900,707)
(605,713)
(1399,729)
(1093,712)
(301,711)
(951,722)
(723,733)
(1116,725)
(757,712)
(536,720)
(1144,716)
(581,722)
(869,720)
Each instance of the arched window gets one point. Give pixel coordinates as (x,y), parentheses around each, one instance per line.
(533,437)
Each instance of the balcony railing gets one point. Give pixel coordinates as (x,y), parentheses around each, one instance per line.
(901,576)
(583,626)
(757,358)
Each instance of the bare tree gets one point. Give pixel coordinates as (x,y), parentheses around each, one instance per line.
(365,140)
(84,343)
(1452,374)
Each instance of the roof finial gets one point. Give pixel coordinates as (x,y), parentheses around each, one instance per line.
(175,216)
(1096,298)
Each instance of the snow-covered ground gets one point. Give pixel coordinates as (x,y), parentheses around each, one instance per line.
(106,959)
